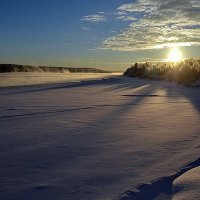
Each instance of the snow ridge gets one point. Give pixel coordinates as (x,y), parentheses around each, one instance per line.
(149,191)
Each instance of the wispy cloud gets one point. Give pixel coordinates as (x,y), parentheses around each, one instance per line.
(85,28)
(108,16)
(94,18)
(101,12)
(160,24)
(67,44)
(127,18)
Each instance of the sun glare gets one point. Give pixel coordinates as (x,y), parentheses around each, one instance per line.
(175,55)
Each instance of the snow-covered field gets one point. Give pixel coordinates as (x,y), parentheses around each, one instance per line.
(116,138)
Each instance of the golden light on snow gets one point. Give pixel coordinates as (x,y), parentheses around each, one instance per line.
(175,55)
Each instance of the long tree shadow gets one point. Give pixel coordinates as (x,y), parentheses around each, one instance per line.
(139,91)
(140,88)
(192,94)
(108,84)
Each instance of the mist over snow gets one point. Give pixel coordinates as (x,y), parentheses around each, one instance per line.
(34,78)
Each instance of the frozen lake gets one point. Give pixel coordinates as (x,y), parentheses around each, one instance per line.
(96,140)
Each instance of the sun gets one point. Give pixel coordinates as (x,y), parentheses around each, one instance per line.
(175,55)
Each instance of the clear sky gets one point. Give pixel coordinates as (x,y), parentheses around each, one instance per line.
(107,34)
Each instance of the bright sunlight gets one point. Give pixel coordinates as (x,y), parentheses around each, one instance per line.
(175,55)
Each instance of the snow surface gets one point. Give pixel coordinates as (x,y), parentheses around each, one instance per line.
(187,186)
(95,140)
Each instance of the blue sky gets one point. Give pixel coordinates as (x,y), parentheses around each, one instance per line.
(92,33)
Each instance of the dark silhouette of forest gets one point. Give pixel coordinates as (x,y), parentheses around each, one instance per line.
(27,68)
(185,72)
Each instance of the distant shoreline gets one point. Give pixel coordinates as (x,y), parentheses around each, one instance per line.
(28,68)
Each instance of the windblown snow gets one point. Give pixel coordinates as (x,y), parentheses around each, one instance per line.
(187,186)
(95,140)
